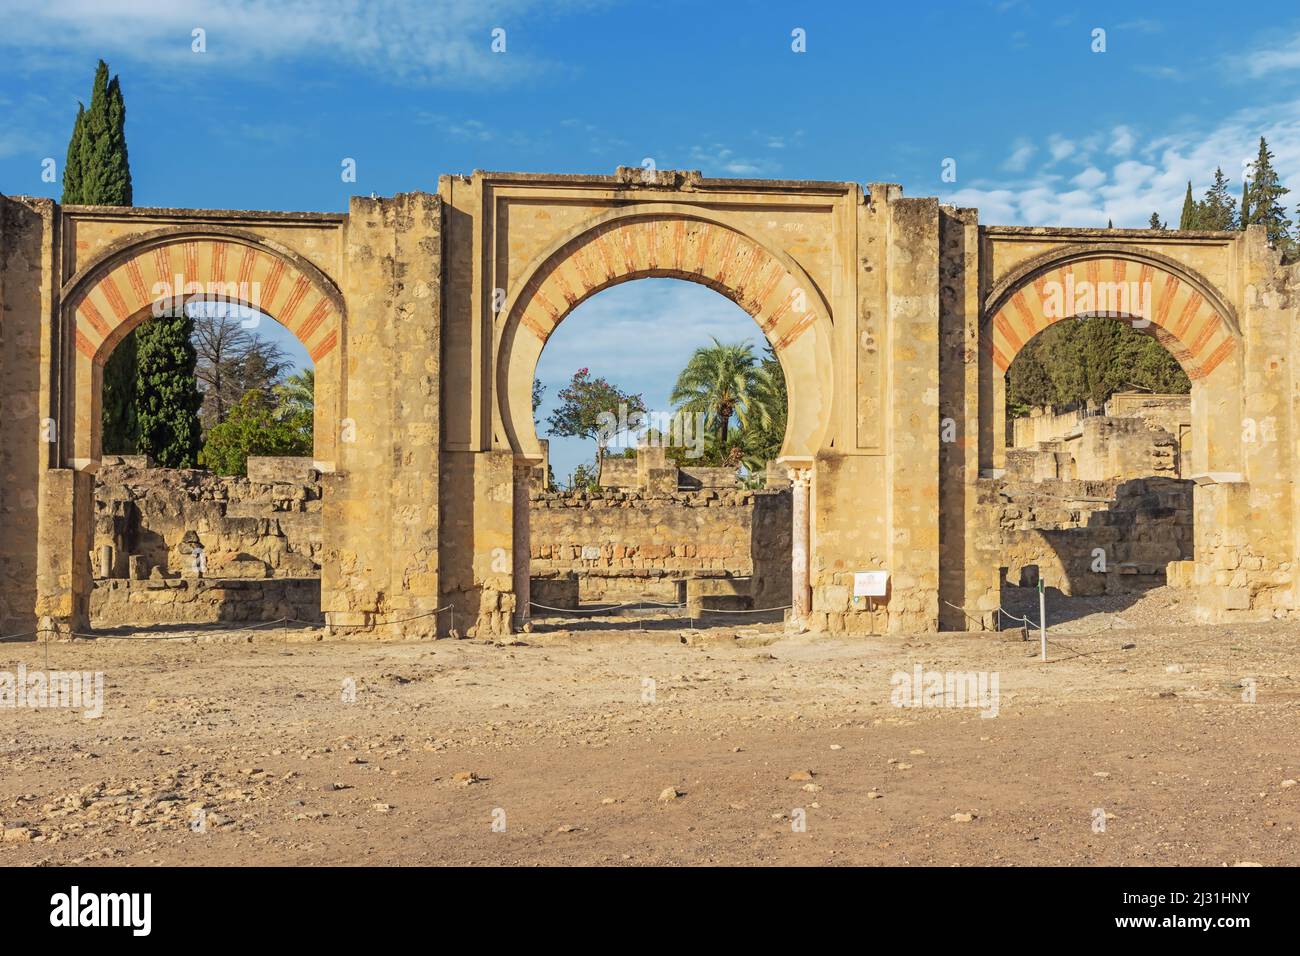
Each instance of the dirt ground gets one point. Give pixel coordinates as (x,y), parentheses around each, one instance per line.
(613,744)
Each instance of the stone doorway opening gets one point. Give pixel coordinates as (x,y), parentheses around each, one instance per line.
(220,524)
(659,499)
(1096,499)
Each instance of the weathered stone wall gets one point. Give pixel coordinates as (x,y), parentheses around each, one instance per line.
(382,509)
(894,319)
(265,525)
(1095,537)
(204,601)
(27,290)
(1102,448)
(1134,436)
(617,545)
(625,545)
(1045,423)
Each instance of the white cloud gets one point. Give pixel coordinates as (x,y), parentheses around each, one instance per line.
(1148,175)
(402,40)
(1090,178)
(1121,141)
(1267,60)
(1019,159)
(720,160)
(1059,147)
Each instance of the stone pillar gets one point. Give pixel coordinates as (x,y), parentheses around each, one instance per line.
(800,595)
(64,574)
(522,547)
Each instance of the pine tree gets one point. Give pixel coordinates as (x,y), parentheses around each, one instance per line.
(1155,222)
(1266,191)
(1190,218)
(1218,210)
(168,394)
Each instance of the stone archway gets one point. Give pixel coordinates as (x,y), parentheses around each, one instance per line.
(666,241)
(1153,293)
(1156,294)
(108,299)
(669,242)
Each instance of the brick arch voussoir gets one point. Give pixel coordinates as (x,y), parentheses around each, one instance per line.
(673,241)
(142,275)
(1179,308)
(670,246)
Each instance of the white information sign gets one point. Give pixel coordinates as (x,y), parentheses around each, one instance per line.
(870,583)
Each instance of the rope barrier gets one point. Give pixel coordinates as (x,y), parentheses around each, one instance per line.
(574,610)
(757,610)
(999,609)
(193,636)
(638,604)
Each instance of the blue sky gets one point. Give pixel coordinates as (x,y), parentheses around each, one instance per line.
(1043,130)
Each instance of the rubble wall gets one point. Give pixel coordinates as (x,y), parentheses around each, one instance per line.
(625,545)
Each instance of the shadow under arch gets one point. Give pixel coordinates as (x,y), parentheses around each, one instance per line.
(143,275)
(668,241)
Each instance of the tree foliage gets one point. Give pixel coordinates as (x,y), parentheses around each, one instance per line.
(255,426)
(1216,211)
(583,402)
(232,360)
(1089,359)
(97,172)
(167,395)
(296,395)
(1264,198)
(721,382)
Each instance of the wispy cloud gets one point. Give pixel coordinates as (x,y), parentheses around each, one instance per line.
(1122,175)
(404,41)
(718,160)
(1275,58)
(1019,159)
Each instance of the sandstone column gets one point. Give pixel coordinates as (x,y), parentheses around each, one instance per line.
(64,575)
(522,548)
(800,480)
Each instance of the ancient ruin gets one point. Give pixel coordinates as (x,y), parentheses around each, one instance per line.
(894,319)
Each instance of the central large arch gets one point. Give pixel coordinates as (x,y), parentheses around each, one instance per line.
(669,241)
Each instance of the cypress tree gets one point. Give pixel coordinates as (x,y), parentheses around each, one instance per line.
(72,178)
(104,170)
(1191,213)
(143,407)
(1155,222)
(168,395)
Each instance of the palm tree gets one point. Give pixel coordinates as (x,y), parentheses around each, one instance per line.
(297,393)
(721,381)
